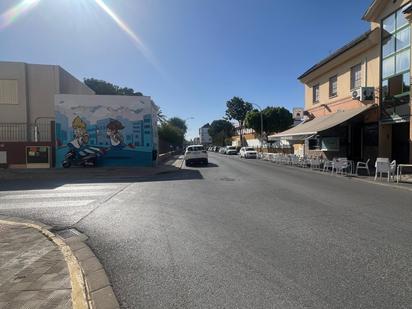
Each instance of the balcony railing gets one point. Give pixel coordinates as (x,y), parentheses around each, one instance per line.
(25,132)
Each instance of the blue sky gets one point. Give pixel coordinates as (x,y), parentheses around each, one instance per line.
(197,53)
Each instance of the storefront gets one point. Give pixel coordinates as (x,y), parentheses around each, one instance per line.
(341,134)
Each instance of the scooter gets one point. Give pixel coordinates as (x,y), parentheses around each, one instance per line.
(73,158)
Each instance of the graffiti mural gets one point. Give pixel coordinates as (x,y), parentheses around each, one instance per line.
(93,130)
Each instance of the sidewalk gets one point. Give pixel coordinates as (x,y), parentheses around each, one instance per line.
(87,173)
(33,272)
(42,270)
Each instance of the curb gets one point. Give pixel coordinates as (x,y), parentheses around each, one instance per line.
(91,288)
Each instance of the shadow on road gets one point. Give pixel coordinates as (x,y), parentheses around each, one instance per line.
(51,179)
(210,165)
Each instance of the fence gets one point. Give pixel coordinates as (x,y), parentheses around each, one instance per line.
(25,132)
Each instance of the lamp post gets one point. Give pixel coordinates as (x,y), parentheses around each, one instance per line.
(261,125)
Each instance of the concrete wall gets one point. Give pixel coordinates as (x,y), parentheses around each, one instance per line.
(16,113)
(71,85)
(37,85)
(43,84)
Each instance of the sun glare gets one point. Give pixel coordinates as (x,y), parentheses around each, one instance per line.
(24,6)
(130,33)
(14,13)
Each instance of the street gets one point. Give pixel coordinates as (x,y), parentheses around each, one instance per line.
(236,234)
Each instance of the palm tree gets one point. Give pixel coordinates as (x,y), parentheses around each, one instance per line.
(161,117)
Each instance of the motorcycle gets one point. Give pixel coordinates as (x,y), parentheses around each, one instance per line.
(78,159)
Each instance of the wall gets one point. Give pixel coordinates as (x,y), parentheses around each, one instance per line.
(112,130)
(370,77)
(37,85)
(385,140)
(204,136)
(43,84)
(16,152)
(16,113)
(71,85)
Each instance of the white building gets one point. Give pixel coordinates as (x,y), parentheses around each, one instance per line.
(204,136)
(196,141)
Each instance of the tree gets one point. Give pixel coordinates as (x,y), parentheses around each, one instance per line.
(178,123)
(237,109)
(105,88)
(161,117)
(275,119)
(171,134)
(220,130)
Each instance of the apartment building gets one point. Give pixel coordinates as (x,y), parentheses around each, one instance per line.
(204,136)
(27,94)
(357,100)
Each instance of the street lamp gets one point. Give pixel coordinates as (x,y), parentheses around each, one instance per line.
(261,125)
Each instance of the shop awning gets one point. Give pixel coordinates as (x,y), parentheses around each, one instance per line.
(319,124)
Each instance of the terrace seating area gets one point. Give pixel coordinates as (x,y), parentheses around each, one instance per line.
(341,166)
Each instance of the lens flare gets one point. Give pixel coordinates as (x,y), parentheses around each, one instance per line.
(136,40)
(12,14)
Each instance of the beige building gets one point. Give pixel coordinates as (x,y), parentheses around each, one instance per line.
(357,100)
(27,105)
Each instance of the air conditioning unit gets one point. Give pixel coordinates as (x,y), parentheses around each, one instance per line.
(364,94)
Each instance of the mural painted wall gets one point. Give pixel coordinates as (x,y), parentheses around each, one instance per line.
(105,131)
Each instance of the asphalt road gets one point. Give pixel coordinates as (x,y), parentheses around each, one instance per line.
(237,234)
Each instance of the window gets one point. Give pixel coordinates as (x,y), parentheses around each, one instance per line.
(314,144)
(315,90)
(402,61)
(356,77)
(395,78)
(8,91)
(333,86)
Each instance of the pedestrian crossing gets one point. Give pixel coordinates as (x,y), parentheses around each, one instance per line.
(68,195)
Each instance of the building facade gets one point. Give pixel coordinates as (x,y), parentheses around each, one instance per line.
(357,100)
(108,129)
(49,118)
(204,136)
(27,107)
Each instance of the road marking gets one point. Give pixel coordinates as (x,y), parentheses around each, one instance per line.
(32,195)
(44,204)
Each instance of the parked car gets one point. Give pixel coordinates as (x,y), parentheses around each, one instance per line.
(231,150)
(248,153)
(196,154)
(222,150)
(216,149)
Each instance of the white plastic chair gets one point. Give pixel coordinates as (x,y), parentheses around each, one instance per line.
(382,166)
(363,166)
(315,163)
(327,165)
(392,169)
(340,165)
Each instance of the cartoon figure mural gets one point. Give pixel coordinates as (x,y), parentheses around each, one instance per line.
(113,132)
(94,130)
(81,137)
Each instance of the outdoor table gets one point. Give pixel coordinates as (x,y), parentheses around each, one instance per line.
(399,171)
